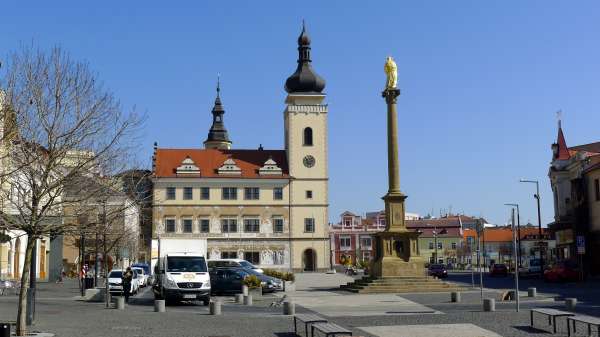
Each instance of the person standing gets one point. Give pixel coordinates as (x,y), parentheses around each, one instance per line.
(127,279)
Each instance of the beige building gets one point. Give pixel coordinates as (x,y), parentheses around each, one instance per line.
(266,206)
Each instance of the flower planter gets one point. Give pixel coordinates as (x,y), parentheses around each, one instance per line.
(289,286)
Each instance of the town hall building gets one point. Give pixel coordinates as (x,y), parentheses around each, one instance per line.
(269,207)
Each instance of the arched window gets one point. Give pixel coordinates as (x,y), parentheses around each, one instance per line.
(308,137)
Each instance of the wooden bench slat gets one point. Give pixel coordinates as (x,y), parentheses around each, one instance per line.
(330,328)
(553,312)
(585,319)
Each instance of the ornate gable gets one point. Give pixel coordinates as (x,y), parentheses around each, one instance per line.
(229,167)
(270,168)
(188,167)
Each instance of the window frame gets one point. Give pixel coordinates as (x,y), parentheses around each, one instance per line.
(183,224)
(307,136)
(278,193)
(275,226)
(227,223)
(168,191)
(203,195)
(167,225)
(200,228)
(226,193)
(187,196)
(309,194)
(251,193)
(307,222)
(252,254)
(254,226)
(343,238)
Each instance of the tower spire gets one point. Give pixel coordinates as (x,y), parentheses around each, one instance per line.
(304,80)
(218,138)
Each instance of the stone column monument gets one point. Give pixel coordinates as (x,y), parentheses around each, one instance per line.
(397,248)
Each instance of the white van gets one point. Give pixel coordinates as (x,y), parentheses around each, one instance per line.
(182,277)
(215,263)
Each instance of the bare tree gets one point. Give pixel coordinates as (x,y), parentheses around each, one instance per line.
(64,126)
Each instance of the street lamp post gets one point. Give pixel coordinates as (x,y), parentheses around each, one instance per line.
(537,197)
(480,227)
(518,258)
(514,257)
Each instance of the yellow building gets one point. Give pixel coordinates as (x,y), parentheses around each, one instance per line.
(269,207)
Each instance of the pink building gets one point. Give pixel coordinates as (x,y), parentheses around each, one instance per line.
(351,238)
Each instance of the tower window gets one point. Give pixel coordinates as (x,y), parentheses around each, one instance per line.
(309,194)
(308,137)
(309,225)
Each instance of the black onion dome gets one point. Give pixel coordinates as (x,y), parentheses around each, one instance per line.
(304,80)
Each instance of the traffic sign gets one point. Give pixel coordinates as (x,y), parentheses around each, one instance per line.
(580,244)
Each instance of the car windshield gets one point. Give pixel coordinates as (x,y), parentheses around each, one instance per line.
(247,264)
(186,264)
(115,274)
(139,271)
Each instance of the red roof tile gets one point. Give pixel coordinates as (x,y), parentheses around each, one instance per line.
(563,151)
(209,161)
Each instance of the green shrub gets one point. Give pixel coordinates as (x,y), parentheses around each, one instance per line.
(273,273)
(252,282)
(288,277)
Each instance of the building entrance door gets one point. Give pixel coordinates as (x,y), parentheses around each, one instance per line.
(309,260)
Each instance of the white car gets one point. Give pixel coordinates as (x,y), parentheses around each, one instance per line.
(115,282)
(143,278)
(233,263)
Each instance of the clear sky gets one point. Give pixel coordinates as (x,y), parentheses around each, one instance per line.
(481,82)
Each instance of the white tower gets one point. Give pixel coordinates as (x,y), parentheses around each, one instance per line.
(305,120)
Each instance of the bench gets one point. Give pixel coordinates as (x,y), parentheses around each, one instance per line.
(589,320)
(329,329)
(552,315)
(307,319)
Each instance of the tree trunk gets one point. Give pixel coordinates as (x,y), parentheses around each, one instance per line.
(22,311)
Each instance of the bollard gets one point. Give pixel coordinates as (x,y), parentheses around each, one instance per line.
(570,303)
(531,292)
(159,306)
(214,308)
(245,290)
(289,308)
(489,304)
(247,300)
(239,298)
(121,303)
(4,329)
(455,296)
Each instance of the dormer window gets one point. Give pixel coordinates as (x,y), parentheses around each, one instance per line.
(270,168)
(188,167)
(229,168)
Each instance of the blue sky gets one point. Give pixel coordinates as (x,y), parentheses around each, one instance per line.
(481,82)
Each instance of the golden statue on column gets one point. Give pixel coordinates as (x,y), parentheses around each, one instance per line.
(391,70)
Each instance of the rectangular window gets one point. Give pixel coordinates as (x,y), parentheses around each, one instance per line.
(430,245)
(187,225)
(170,225)
(597,189)
(309,225)
(229,193)
(229,225)
(347,223)
(278,193)
(229,255)
(365,243)
(251,225)
(170,193)
(440,245)
(252,257)
(431,259)
(309,194)
(187,193)
(251,193)
(278,225)
(345,243)
(204,225)
(453,245)
(204,193)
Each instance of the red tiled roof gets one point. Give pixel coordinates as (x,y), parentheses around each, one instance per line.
(503,234)
(592,147)
(209,161)
(441,222)
(448,232)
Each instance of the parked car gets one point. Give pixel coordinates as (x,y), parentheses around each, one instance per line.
(499,269)
(142,277)
(270,283)
(562,272)
(221,263)
(147,271)
(115,282)
(438,270)
(141,274)
(227,280)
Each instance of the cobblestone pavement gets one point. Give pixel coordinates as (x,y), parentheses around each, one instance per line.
(58,311)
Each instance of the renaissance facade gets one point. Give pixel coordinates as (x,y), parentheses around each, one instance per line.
(269,207)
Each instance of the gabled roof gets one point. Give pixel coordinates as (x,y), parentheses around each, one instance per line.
(210,160)
(592,147)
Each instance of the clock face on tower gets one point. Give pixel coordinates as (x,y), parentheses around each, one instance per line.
(309,161)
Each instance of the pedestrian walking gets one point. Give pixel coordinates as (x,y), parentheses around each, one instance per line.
(127,279)
(62,275)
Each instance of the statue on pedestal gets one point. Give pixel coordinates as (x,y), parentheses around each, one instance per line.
(391,71)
